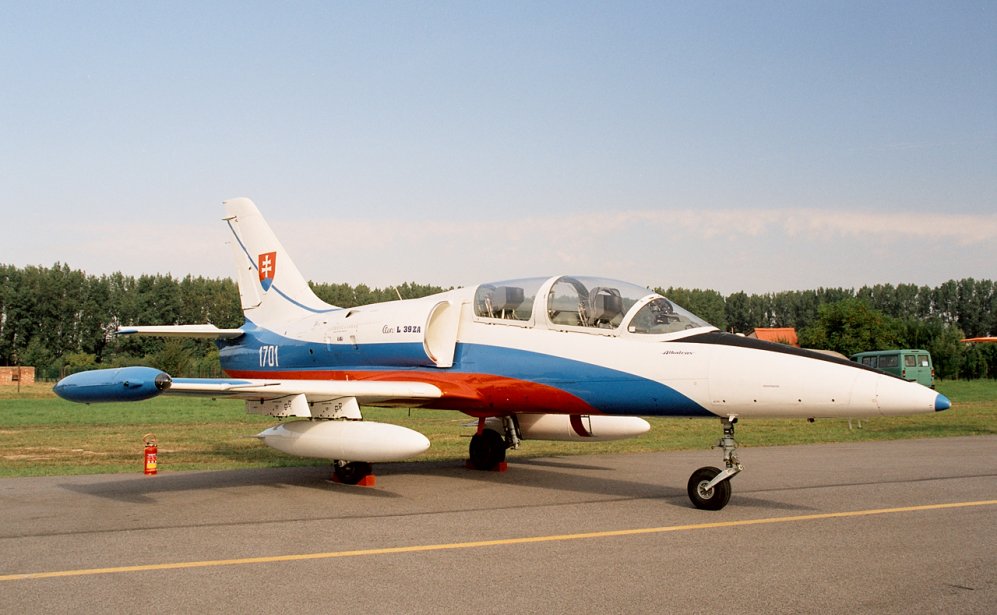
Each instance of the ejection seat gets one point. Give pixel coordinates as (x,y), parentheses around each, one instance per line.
(605,305)
(505,300)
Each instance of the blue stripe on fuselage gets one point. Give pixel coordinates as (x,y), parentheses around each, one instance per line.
(608,390)
(244,353)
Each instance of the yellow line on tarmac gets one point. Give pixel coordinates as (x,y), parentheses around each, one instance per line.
(487,543)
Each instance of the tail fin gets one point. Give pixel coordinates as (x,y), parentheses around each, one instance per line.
(270,286)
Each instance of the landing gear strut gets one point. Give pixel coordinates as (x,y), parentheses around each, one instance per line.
(709,487)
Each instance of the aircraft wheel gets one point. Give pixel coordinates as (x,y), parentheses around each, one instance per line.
(353,472)
(487,449)
(712,499)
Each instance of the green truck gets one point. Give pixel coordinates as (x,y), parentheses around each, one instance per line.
(909,364)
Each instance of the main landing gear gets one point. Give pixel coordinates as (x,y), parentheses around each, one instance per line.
(487,450)
(709,487)
(351,472)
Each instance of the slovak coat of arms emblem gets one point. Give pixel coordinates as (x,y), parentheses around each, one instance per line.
(267,263)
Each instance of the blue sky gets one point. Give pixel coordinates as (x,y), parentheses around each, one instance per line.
(755,146)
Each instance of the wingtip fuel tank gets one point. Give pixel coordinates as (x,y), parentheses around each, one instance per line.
(109,385)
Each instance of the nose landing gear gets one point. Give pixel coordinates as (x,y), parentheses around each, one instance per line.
(709,487)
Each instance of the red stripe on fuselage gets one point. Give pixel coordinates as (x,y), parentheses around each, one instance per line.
(474,394)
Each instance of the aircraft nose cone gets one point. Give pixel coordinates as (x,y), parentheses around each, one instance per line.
(942,403)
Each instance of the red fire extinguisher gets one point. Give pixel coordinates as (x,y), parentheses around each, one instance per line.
(151,453)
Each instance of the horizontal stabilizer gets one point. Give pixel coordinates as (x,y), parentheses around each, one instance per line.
(196,331)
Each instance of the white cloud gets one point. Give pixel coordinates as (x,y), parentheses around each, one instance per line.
(966,229)
(754,250)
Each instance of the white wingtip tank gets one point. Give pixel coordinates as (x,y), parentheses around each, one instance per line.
(270,285)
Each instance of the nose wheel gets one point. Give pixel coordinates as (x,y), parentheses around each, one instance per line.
(705,497)
(709,487)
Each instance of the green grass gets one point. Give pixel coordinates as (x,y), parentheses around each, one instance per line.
(41,435)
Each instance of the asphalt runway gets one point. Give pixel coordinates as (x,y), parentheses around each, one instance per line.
(889,527)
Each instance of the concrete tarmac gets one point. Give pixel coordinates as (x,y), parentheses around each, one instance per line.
(886,527)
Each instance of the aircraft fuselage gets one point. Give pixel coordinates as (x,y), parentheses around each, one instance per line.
(490,366)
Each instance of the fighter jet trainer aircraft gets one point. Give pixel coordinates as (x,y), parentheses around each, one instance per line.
(560,358)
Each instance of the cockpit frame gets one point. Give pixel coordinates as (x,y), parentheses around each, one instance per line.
(583,304)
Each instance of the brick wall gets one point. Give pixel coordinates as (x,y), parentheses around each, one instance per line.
(9,375)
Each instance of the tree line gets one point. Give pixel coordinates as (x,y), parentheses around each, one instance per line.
(60,319)
(875,317)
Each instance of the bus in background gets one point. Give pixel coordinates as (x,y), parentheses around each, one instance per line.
(913,365)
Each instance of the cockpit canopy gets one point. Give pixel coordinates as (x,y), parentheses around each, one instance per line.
(585,302)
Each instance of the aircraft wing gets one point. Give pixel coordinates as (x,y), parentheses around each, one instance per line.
(138,383)
(195,331)
(365,391)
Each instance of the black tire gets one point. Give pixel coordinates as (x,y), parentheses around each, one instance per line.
(715,498)
(353,472)
(487,450)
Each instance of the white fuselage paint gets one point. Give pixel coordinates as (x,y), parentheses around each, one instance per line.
(725,380)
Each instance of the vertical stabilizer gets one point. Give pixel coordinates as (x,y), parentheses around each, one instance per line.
(270,286)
